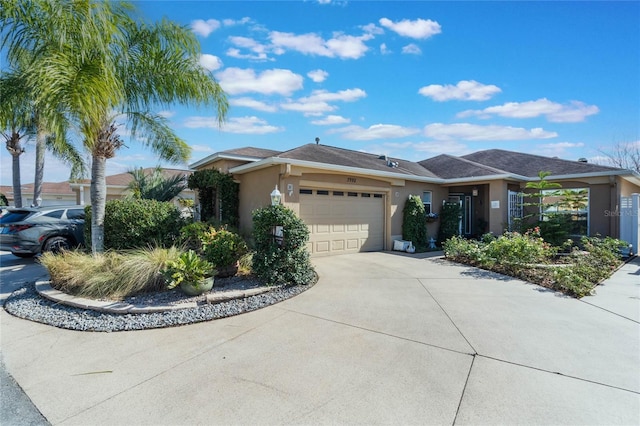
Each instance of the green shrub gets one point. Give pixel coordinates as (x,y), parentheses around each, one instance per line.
(450,215)
(281,261)
(512,254)
(191,236)
(516,248)
(414,226)
(132,224)
(222,247)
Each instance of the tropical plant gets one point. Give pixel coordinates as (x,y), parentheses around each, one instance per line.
(155,185)
(541,189)
(188,269)
(106,65)
(21,109)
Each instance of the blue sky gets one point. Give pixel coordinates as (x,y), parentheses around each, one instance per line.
(407,79)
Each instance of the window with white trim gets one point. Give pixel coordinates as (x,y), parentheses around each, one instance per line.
(427,197)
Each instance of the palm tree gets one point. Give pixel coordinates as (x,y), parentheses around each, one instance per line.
(109,63)
(16,126)
(19,110)
(155,185)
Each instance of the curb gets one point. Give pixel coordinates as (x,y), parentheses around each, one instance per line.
(45,290)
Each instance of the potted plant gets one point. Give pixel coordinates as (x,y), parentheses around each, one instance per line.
(193,274)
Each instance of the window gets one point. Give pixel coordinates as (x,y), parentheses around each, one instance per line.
(322,192)
(75,214)
(365,195)
(338,193)
(573,203)
(306,191)
(56,214)
(426,200)
(352,194)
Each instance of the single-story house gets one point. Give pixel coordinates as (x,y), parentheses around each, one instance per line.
(117,186)
(353,201)
(53,194)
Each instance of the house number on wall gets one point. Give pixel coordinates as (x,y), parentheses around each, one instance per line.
(351,180)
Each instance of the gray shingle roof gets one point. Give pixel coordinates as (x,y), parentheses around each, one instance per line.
(450,167)
(349,158)
(530,164)
(249,151)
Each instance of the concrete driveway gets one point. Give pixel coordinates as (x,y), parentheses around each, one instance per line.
(383,338)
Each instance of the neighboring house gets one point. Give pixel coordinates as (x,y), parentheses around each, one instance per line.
(353,201)
(72,193)
(53,194)
(117,186)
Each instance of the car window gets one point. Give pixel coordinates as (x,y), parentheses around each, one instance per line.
(75,214)
(56,214)
(11,217)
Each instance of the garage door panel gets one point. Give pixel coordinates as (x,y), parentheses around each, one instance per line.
(343,224)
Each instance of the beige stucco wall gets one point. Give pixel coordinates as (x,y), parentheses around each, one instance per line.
(255,190)
(626,188)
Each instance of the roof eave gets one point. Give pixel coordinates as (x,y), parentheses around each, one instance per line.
(223,156)
(267,162)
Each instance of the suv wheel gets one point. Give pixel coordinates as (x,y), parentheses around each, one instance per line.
(57,244)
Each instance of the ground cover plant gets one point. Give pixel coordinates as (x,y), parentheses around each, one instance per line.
(529,257)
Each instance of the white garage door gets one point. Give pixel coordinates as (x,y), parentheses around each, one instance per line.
(343,221)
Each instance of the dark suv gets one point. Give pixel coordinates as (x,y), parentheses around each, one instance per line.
(27,231)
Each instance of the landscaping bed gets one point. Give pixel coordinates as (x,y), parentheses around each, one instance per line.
(528,257)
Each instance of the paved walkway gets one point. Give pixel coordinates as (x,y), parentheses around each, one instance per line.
(382,338)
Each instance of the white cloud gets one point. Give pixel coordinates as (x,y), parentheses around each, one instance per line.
(318,76)
(571,112)
(372,29)
(348,95)
(273,81)
(259,50)
(377,131)
(418,151)
(235,53)
(166,114)
(330,120)
(242,125)
(309,108)
(201,148)
(232,22)
(204,28)
(411,49)
(253,104)
(210,62)
(559,149)
(465,90)
(384,49)
(341,45)
(419,29)
(474,132)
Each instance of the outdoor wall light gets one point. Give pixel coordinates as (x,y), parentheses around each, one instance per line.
(276,196)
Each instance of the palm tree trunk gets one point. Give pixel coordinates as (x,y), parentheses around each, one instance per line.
(17,191)
(15,149)
(98,202)
(41,138)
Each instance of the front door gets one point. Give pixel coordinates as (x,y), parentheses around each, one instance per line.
(464,201)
